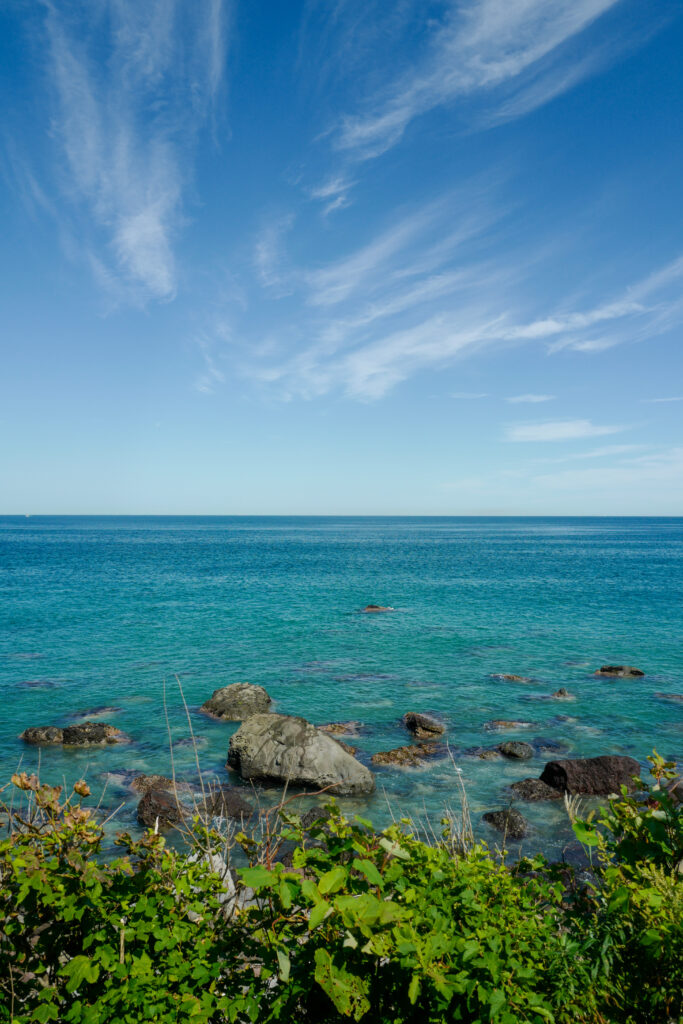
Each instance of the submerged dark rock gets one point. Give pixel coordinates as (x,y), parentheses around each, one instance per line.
(508,821)
(675,698)
(378,608)
(533,789)
(162,806)
(237,702)
(503,724)
(620,671)
(516,750)
(227,802)
(342,728)
(145,783)
(424,727)
(407,757)
(509,677)
(591,775)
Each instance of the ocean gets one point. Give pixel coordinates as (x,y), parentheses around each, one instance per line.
(114,611)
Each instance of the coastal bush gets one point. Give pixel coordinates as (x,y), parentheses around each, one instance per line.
(357,925)
(635,909)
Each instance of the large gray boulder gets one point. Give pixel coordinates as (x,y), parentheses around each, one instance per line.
(598,776)
(238,701)
(286,749)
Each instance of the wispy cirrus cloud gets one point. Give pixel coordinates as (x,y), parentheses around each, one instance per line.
(530,399)
(558,430)
(674,398)
(512,53)
(132,82)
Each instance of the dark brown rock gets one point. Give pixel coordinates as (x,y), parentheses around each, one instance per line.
(424,727)
(91,734)
(516,750)
(377,608)
(620,671)
(227,802)
(591,775)
(508,821)
(42,735)
(509,677)
(562,693)
(144,783)
(159,805)
(533,789)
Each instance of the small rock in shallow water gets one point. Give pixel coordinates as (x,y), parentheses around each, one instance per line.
(500,724)
(423,726)
(162,805)
(378,608)
(516,750)
(562,693)
(509,677)
(341,728)
(144,783)
(489,755)
(91,734)
(676,698)
(237,702)
(227,802)
(42,735)
(407,757)
(509,821)
(619,671)
(534,789)
(86,734)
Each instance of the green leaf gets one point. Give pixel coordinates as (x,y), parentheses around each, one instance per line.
(370,870)
(414,988)
(78,970)
(258,877)
(318,914)
(333,879)
(285,965)
(347,991)
(393,849)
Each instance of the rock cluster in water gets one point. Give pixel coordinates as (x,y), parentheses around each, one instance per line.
(85,734)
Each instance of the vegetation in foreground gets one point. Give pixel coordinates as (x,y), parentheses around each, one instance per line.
(363,926)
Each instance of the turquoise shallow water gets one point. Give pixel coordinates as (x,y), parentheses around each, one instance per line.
(102,610)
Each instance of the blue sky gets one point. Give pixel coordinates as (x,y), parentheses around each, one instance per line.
(342,256)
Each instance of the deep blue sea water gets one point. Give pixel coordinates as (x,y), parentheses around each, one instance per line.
(105,610)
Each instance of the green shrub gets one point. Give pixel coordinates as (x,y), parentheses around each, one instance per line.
(364,926)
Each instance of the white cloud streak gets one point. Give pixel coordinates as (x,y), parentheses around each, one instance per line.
(558,430)
(530,399)
(127,112)
(481,48)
